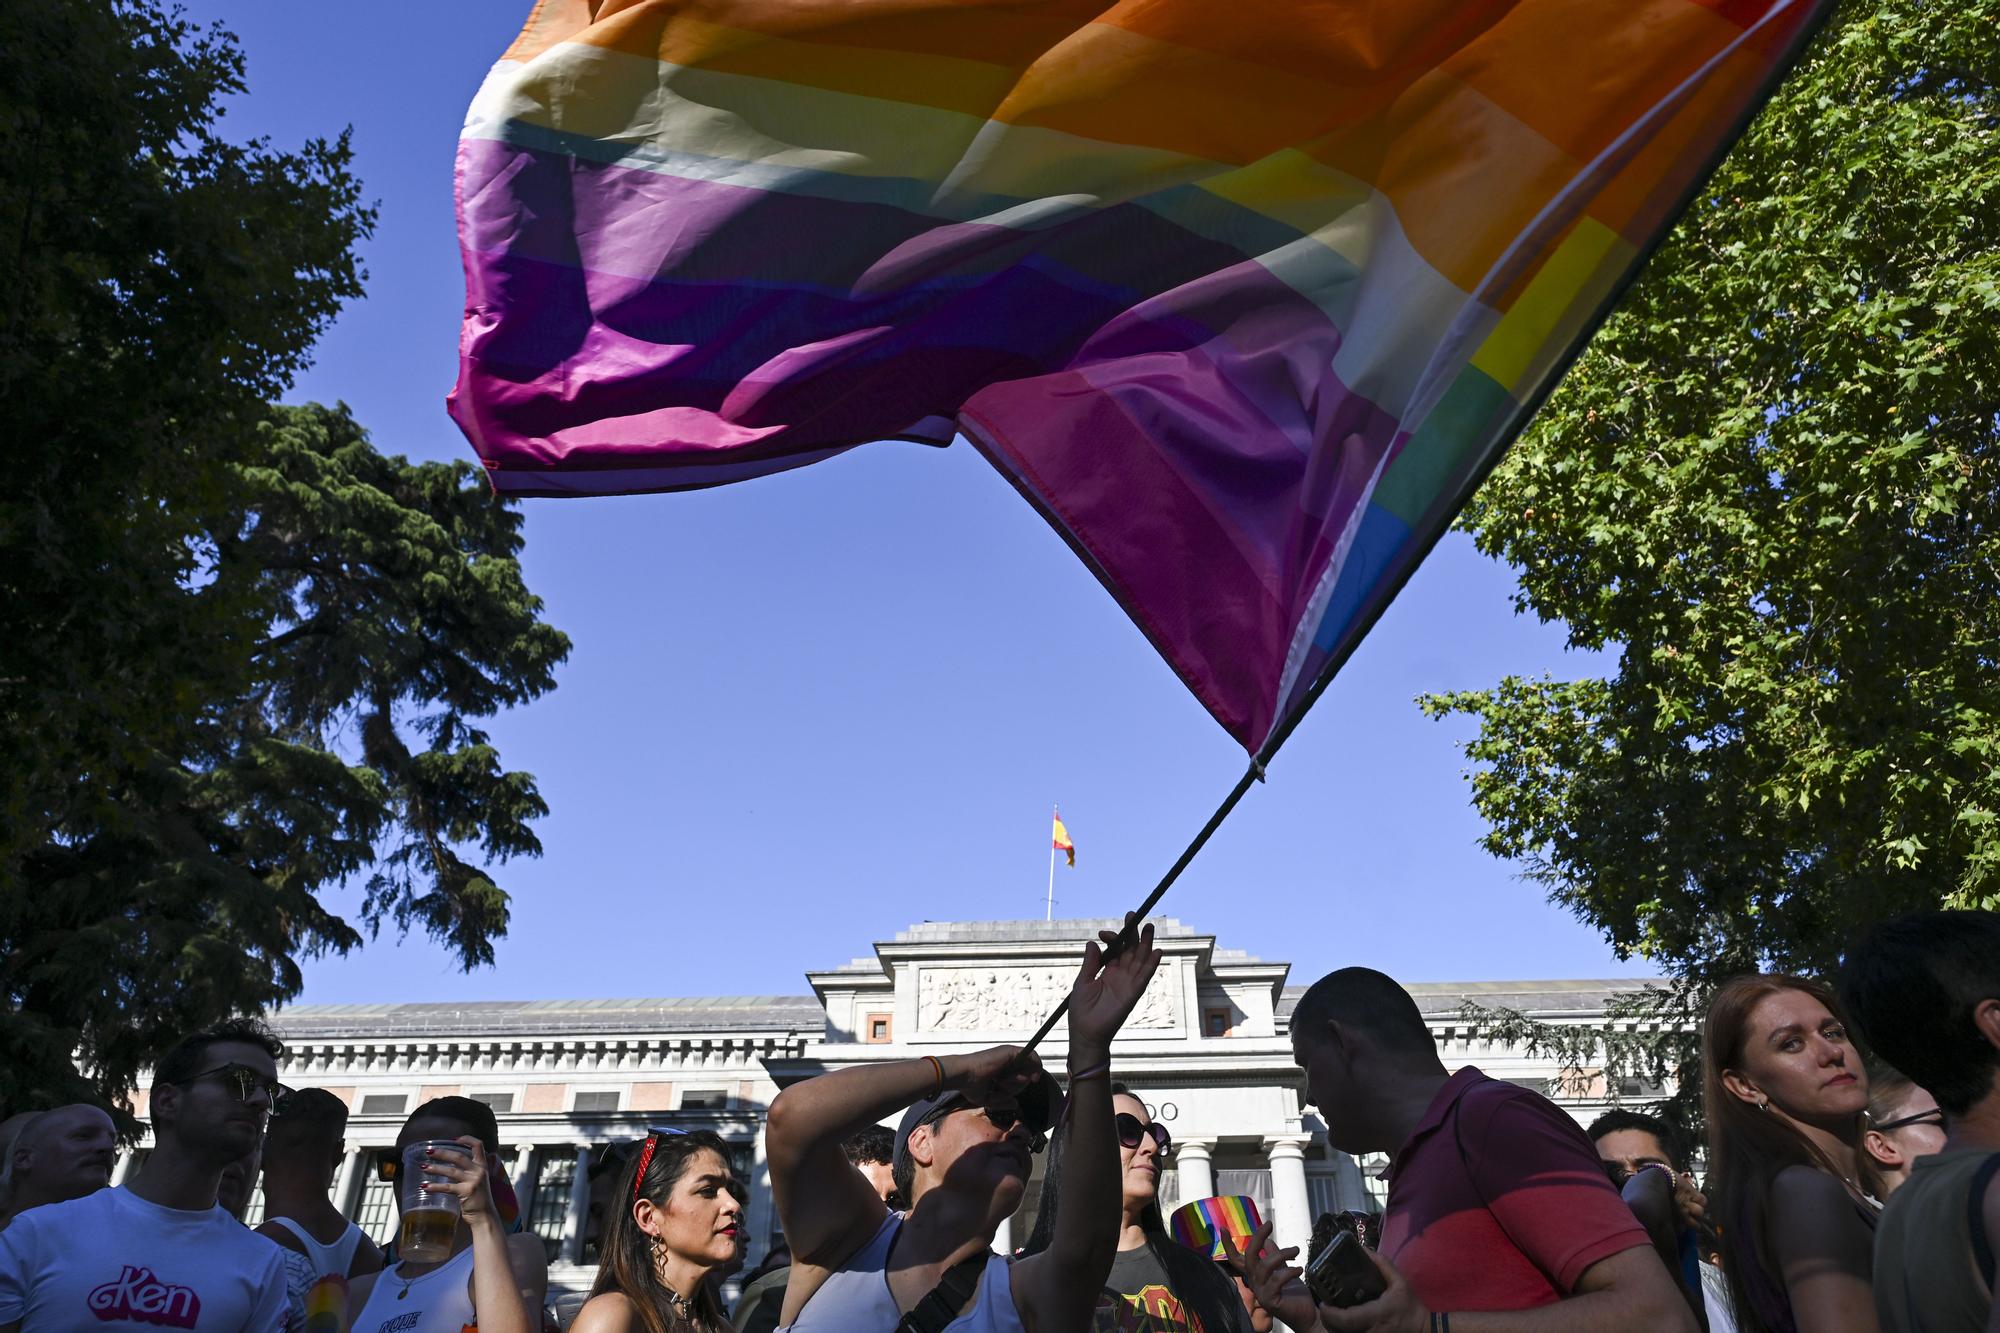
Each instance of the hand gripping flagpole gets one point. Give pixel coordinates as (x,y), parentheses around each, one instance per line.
(1130,932)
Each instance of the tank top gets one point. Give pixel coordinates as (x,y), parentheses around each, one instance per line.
(438,1302)
(1932,1273)
(1765,1290)
(324,1259)
(855,1298)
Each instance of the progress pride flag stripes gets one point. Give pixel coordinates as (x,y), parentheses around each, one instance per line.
(1243,297)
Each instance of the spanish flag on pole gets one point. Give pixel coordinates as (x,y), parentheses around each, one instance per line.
(1062,842)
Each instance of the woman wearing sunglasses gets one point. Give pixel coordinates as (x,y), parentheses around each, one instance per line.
(680,1220)
(1155,1283)
(491,1280)
(1904,1123)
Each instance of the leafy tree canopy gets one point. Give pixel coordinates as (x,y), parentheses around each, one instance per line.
(1771,486)
(244,654)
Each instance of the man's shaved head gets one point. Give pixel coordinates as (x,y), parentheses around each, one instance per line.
(1366,1002)
(59,1155)
(1355,1034)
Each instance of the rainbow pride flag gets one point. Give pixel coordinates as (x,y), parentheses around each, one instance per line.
(1246,297)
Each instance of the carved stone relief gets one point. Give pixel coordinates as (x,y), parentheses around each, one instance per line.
(1017,999)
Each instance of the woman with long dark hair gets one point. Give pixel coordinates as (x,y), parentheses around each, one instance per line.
(1166,1286)
(678,1217)
(1786,1094)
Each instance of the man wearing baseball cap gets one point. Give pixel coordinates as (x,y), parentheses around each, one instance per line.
(963,1152)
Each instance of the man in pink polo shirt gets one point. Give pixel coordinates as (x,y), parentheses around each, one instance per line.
(1500,1218)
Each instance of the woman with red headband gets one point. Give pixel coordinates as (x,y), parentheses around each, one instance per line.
(679,1219)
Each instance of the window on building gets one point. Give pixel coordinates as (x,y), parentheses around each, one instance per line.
(384,1103)
(501,1102)
(595,1101)
(704,1099)
(377,1214)
(880,1028)
(1215,1023)
(549,1208)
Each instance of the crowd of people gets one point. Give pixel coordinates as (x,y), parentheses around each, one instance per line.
(1851,1155)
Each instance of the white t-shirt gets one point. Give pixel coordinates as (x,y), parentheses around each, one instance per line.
(112,1260)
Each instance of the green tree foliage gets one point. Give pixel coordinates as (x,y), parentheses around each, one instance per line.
(1771,486)
(242,654)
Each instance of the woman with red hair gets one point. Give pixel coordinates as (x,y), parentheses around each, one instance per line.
(1786,1096)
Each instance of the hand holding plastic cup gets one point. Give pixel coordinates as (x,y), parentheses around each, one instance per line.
(430,1211)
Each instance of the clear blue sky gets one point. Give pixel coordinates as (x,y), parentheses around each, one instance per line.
(805,712)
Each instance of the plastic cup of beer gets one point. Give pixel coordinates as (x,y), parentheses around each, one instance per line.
(430,1212)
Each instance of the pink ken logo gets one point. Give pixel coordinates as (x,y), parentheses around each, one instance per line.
(141,1298)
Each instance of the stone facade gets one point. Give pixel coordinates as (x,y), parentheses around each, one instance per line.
(1208,1049)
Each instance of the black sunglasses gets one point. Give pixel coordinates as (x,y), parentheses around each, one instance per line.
(1934,1116)
(1130,1131)
(1002,1118)
(244,1080)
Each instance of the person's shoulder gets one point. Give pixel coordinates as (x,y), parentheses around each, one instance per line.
(1507,1117)
(254,1246)
(1489,1096)
(367,1258)
(281,1236)
(89,1211)
(610,1312)
(1808,1201)
(1803,1186)
(526,1247)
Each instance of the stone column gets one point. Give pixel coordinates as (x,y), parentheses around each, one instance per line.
(1291,1221)
(525,1165)
(1003,1239)
(579,1209)
(121,1170)
(1196,1169)
(347,1186)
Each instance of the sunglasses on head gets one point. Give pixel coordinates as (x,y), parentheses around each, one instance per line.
(243,1081)
(389,1163)
(1934,1116)
(1131,1131)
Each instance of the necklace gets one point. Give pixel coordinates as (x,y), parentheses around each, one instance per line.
(402,1275)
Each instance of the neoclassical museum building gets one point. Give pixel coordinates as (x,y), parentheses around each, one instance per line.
(1207,1049)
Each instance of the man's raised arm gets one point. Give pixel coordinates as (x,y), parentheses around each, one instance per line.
(826,1206)
(1057,1289)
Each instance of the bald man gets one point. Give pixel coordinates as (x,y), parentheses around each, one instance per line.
(59,1155)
